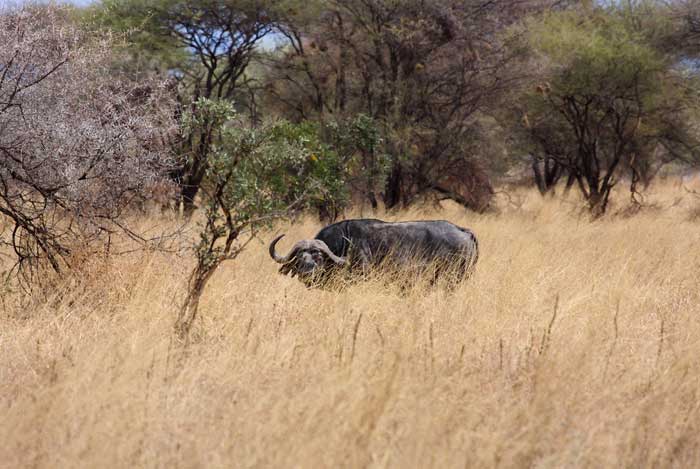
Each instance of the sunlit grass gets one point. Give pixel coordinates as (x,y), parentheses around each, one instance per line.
(573,344)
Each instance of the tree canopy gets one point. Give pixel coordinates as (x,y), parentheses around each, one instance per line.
(605,103)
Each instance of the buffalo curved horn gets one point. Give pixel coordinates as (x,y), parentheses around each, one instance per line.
(277,257)
(326,250)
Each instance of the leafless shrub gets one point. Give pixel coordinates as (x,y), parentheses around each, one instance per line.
(78,142)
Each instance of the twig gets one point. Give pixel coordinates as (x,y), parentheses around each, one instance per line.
(548,332)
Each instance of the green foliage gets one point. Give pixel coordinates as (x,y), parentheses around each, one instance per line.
(274,168)
(155,30)
(607,101)
(358,134)
(595,54)
(256,175)
(142,24)
(358,144)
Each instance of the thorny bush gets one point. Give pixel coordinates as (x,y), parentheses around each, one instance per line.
(78,142)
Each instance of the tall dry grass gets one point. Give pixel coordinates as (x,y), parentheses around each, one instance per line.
(575,344)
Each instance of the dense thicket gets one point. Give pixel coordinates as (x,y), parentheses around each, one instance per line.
(427,71)
(460,91)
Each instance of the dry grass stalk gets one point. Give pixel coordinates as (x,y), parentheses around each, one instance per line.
(374,375)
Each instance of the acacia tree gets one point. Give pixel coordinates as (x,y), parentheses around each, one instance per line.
(78,142)
(426,71)
(222,35)
(208,45)
(608,104)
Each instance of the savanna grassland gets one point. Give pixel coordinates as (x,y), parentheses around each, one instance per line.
(575,344)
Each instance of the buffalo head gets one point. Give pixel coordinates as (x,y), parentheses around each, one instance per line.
(308,258)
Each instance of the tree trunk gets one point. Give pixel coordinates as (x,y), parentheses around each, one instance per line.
(189,191)
(189,309)
(392,192)
(373,200)
(570,180)
(539,180)
(552,172)
(547,173)
(195,171)
(340,83)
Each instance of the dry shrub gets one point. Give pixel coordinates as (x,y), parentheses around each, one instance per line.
(79,141)
(574,344)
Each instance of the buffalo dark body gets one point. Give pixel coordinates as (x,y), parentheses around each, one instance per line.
(363,244)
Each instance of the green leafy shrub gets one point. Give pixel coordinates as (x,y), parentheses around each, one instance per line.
(254,176)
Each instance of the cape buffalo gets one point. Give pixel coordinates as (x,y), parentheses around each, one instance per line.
(363,244)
